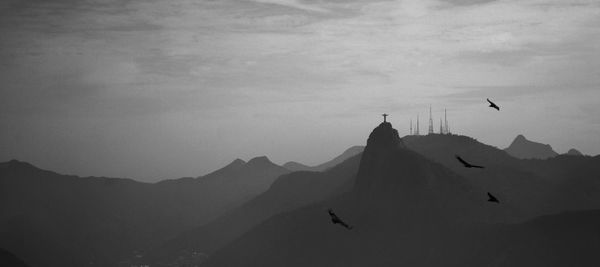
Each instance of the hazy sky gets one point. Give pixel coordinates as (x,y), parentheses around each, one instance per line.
(164,89)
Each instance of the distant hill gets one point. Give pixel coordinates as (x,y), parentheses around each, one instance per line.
(410,211)
(522,148)
(63,220)
(350,152)
(574,152)
(288,192)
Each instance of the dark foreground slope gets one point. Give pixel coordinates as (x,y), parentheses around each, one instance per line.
(49,219)
(9,260)
(288,192)
(566,239)
(409,211)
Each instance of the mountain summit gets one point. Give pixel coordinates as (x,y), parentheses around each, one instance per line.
(392,175)
(377,164)
(522,148)
(384,136)
(574,152)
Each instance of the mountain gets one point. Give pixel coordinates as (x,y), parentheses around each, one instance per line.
(403,207)
(288,192)
(408,210)
(522,148)
(410,201)
(238,181)
(51,219)
(531,187)
(574,152)
(524,189)
(348,153)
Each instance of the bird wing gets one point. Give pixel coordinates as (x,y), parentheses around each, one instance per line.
(492,104)
(462,160)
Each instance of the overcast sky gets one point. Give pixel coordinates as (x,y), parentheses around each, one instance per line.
(164,89)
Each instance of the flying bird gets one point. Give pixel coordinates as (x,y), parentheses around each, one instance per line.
(493,105)
(336,220)
(492,198)
(466,164)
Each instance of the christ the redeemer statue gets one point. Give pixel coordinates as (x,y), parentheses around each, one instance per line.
(384,117)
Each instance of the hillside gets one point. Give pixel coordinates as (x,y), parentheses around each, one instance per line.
(288,192)
(61,220)
(409,211)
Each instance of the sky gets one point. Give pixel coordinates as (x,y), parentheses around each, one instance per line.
(152,90)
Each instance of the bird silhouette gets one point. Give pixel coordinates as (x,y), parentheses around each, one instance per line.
(466,164)
(492,198)
(493,105)
(336,220)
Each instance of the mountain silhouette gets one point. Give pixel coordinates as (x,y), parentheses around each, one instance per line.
(528,187)
(51,219)
(522,148)
(410,211)
(523,189)
(240,183)
(288,192)
(574,152)
(395,189)
(410,201)
(390,174)
(348,153)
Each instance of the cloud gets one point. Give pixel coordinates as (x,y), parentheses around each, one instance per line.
(294,4)
(467,2)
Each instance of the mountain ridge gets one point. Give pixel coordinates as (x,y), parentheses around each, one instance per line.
(288,192)
(350,152)
(392,182)
(404,210)
(119,214)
